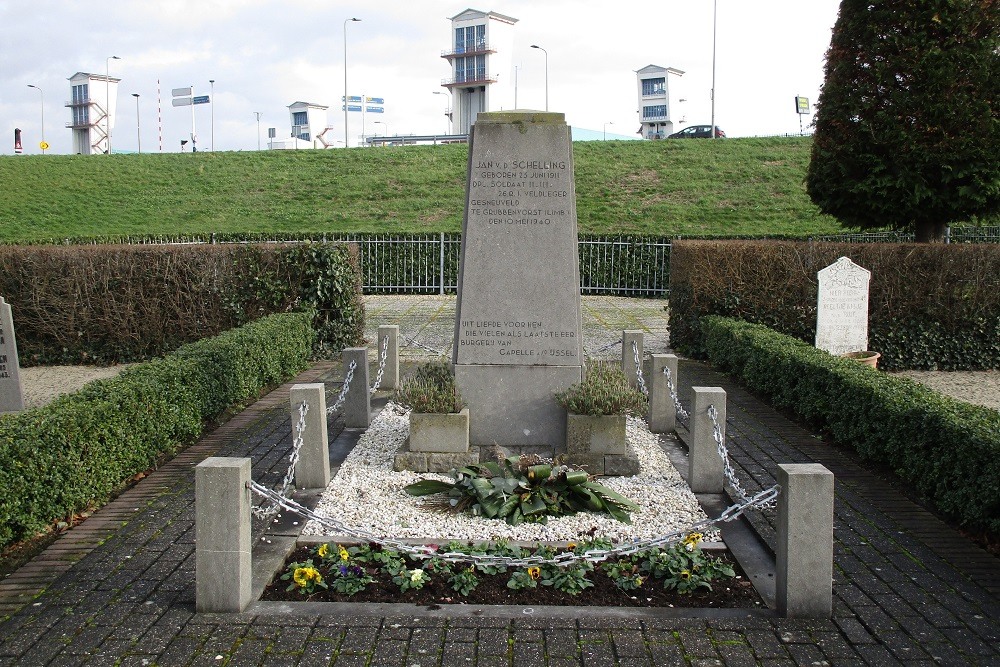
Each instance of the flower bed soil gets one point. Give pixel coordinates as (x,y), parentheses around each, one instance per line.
(492,590)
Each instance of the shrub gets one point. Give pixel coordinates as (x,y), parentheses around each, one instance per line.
(949,451)
(604,391)
(105,304)
(930,306)
(80,449)
(431,390)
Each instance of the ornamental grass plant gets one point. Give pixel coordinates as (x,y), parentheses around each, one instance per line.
(604,391)
(431,390)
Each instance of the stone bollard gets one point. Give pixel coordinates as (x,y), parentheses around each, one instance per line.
(358,403)
(629,367)
(705,468)
(662,410)
(313,469)
(390,376)
(222,535)
(804,576)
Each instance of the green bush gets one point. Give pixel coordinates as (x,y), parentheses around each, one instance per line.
(949,451)
(107,304)
(77,451)
(931,306)
(604,391)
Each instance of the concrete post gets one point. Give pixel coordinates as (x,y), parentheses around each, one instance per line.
(629,367)
(662,411)
(358,403)
(804,576)
(313,469)
(706,471)
(390,377)
(222,535)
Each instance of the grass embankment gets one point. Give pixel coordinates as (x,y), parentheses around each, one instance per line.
(722,188)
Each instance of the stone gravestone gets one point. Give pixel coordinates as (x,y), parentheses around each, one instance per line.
(11,395)
(518,320)
(842,308)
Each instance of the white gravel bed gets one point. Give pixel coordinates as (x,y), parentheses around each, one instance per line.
(367,494)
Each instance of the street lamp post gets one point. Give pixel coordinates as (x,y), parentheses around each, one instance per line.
(447,128)
(535,46)
(346,21)
(211,102)
(107,97)
(258,114)
(606,130)
(378,122)
(715,8)
(31,85)
(138,136)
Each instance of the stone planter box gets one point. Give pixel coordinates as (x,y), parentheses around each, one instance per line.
(595,434)
(439,433)
(437,443)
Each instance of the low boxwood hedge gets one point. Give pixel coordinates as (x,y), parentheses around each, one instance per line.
(948,450)
(80,449)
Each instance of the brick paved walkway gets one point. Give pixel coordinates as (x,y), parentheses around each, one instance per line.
(119,589)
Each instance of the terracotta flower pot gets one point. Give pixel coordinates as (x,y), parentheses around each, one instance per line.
(867,357)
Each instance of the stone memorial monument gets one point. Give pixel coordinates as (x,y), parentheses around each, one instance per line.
(518,320)
(11,394)
(842,308)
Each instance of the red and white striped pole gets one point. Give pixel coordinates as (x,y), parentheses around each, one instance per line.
(159,114)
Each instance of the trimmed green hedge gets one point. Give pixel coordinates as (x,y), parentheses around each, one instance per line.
(81,448)
(949,451)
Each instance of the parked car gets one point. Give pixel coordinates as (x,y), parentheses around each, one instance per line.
(697,132)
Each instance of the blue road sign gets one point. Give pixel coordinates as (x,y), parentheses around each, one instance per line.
(351,107)
(375,109)
(200,99)
(375,100)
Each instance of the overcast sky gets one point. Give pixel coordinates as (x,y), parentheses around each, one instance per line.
(266,54)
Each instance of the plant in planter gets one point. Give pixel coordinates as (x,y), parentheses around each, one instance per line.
(439,424)
(596,412)
(525,489)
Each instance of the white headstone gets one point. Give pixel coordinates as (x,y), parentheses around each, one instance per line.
(842,308)
(11,395)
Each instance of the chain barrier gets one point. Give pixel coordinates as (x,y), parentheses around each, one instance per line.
(606,347)
(381,365)
(564,559)
(413,341)
(638,370)
(682,415)
(343,392)
(267,511)
(727,465)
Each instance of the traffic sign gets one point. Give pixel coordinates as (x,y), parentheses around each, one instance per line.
(181,101)
(375,109)
(177,92)
(44,145)
(201,99)
(375,100)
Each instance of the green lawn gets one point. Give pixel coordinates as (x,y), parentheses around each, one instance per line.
(725,188)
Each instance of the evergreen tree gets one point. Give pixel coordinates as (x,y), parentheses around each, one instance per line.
(907,129)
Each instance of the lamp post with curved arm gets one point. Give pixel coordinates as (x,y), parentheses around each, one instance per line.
(535,46)
(31,85)
(107,97)
(346,21)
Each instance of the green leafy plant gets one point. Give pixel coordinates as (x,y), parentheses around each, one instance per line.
(431,389)
(625,573)
(684,567)
(463,579)
(524,489)
(604,391)
(346,576)
(526,578)
(572,579)
(304,576)
(407,579)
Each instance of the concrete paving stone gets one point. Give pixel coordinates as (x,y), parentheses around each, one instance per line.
(495,661)
(425,649)
(455,658)
(546,624)
(765,644)
(565,662)
(250,652)
(316,654)
(778,662)
(596,655)
(528,654)
(969,644)
(877,656)
(390,652)
(628,642)
(697,644)
(461,635)
(88,639)
(180,651)
(921,630)
(292,639)
(327,633)
(737,655)
(68,660)
(902,645)
(359,640)
(667,654)
(494,641)
(561,642)
(348,660)
(616,622)
(274,659)
(635,661)
(806,654)
(707,662)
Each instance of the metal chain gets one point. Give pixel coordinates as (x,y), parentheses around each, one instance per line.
(638,370)
(727,465)
(606,347)
(267,511)
(381,364)
(682,415)
(344,390)
(564,559)
(413,341)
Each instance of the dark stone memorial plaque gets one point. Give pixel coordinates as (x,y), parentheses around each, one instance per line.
(518,321)
(11,395)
